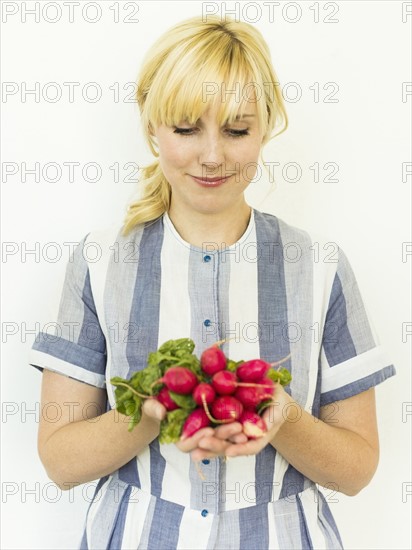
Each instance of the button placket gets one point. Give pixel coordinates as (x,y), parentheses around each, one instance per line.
(205,487)
(210,259)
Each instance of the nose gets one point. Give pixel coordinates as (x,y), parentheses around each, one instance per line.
(211,153)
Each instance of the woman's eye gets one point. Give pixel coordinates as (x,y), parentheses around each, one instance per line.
(183,131)
(190,131)
(239,133)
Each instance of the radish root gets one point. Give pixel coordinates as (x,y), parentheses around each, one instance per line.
(210,417)
(277,363)
(199,471)
(221,342)
(134,391)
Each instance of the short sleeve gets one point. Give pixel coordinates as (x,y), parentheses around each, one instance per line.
(352,360)
(77,348)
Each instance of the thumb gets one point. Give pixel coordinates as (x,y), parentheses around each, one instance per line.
(154,409)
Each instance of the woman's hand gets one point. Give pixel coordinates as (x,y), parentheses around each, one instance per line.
(154,410)
(234,442)
(227,439)
(274,416)
(210,443)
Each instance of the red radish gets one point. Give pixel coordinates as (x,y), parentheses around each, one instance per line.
(252,371)
(224,382)
(179,379)
(253,425)
(213,360)
(205,390)
(196,420)
(250,397)
(227,408)
(269,391)
(164,397)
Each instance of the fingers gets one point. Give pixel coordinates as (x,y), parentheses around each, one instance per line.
(225,440)
(214,445)
(226,431)
(191,443)
(232,432)
(154,409)
(238,438)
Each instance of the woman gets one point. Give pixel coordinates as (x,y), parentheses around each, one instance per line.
(193,259)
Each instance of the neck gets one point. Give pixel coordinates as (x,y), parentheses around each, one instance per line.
(218,230)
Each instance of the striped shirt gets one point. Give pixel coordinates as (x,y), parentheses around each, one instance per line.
(276,291)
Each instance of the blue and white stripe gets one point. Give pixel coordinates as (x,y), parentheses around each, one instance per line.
(271,298)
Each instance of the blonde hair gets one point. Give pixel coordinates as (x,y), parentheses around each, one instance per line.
(178,80)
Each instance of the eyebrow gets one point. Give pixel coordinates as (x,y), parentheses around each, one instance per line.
(243,116)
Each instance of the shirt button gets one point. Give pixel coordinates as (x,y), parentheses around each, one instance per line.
(206,461)
(207,322)
(204,513)
(207,258)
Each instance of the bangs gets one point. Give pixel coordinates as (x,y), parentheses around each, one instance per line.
(214,72)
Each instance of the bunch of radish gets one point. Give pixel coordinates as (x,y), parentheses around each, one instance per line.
(226,396)
(203,392)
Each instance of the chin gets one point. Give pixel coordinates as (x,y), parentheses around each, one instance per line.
(212,205)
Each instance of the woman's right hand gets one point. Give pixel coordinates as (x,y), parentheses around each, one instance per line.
(206,442)
(154,409)
(79,442)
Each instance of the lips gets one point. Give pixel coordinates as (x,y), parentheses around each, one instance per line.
(218,178)
(211,182)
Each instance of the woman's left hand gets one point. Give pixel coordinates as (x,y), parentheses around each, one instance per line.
(224,442)
(274,416)
(214,441)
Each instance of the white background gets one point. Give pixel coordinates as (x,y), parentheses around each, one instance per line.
(367,211)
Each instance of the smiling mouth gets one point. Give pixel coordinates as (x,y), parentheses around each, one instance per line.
(211,182)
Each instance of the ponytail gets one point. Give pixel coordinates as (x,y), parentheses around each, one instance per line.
(154,202)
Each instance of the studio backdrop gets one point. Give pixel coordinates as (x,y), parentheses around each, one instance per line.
(72,154)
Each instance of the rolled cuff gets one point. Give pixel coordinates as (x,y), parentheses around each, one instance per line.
(355,375)
(43,360)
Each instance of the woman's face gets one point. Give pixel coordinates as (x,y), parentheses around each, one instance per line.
(208,166)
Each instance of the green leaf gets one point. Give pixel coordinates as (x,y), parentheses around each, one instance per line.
(184,401)
(122,394)
(171,427)
(149,375)
(135,419)
(132,383)
(134,380)
(174,347)
(263,405)
(183,345)
(115,379)
(127,402)
(167,346)
(281,375)
(233,365)
(155,358)
(286,377)
(274,375)
(129,407)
